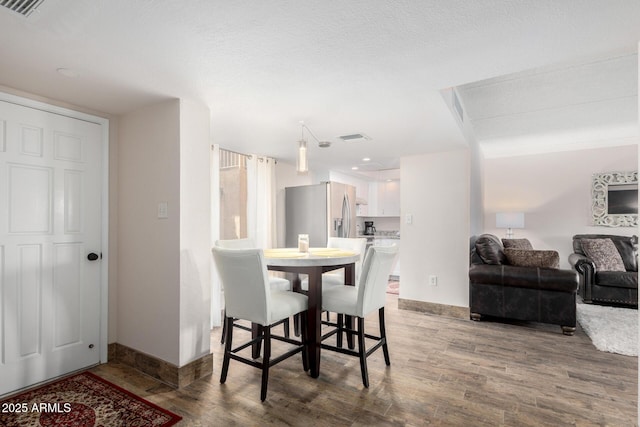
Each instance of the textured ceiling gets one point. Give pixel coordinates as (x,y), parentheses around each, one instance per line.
(558,108)
(375,67)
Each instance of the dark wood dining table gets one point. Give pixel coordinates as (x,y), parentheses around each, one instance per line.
(314,264)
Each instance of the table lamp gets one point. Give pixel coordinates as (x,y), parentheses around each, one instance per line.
(510,220)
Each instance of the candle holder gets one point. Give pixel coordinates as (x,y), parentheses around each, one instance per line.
(303,243)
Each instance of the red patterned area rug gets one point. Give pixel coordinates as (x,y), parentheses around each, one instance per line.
(393,287)
(82,400)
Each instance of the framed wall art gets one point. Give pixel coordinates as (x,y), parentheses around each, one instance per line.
(614,199)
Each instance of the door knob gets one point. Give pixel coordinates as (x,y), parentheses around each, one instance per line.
(93,256)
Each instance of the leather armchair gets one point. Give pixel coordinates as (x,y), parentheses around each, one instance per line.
(607,287)
(538,294)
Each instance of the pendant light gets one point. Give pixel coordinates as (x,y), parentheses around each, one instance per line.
(301,159)
(301,165)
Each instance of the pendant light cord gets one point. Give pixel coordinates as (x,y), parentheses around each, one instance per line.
(310,133)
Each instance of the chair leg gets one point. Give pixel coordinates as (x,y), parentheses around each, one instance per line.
(305,343)
(328,316)
(296,324)
(224,326)
(295,287)
(256,331)
(286,328)
(349,325)
(340,329)
(266,335)
(228,321)
(383,336)
(362,352)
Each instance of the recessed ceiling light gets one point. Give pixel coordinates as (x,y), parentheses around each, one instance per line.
(355,168)
(366,159)
(68,72)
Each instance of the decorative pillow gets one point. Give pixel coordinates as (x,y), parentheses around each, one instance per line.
(604,254)
(627,248)
(517,244)
(489,248)
(530,258)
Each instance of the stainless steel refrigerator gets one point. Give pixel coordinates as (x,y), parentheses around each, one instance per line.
(321,211)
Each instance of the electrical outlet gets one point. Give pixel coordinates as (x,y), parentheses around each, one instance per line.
(433,280)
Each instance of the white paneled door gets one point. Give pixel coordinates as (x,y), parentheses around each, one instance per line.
(50,229)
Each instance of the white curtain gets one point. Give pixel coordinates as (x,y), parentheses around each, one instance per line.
(216,287)
(261,205)
(261,201)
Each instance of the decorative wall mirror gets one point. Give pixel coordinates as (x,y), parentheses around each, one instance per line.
(614,199)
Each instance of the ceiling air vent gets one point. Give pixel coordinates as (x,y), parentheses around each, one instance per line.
(370,166)
(354,137)
(23,7)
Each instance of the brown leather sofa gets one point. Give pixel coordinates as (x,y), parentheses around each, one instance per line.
(529,293)
(607,287)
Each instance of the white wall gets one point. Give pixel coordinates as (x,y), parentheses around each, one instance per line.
(435,191)
(554,192)
(164,286)
(476,196)
(476,210)
(148,250)
(195,232)
(148,247)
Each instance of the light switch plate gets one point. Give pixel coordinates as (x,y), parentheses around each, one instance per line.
(163,210)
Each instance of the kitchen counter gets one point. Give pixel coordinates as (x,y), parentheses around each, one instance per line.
(391,235)
(386,238)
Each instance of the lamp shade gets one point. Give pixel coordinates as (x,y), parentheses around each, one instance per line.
(510,220)
(301,164)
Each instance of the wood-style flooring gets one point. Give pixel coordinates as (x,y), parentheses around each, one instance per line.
(444,372)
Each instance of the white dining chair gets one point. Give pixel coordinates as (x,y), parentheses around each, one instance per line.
(336,278)
(369,295)
(249,296)
(276,283)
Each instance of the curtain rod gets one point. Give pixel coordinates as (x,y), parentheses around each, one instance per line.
(249,156)
(235,152)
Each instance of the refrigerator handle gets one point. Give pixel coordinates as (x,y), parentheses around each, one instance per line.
(346,216)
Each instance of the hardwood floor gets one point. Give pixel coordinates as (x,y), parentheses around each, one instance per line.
(444,372)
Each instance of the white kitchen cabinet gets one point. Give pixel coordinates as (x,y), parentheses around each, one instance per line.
(388,199)
(384,198)
(362,189)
